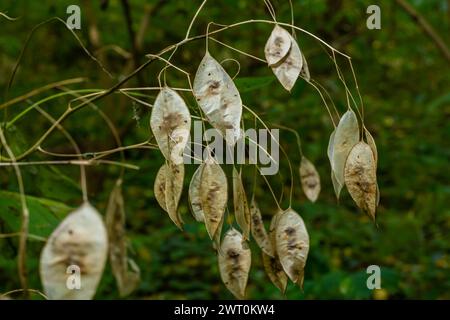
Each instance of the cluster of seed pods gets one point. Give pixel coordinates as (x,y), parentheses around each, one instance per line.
(82,238)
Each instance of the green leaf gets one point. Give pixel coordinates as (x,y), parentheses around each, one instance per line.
(45,214)
(246,84)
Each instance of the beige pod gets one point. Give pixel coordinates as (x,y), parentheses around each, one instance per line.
(292,245)
(234,262)
(219,99)
(74,256)
(277,46)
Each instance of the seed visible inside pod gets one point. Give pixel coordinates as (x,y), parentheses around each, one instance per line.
(79,244)
(360,178)
(292,245)
(234,262)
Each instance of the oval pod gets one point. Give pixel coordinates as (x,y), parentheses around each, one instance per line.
(77,248)
(277,46)
(234,262)
(214,195)
(292,245)
(345,137)
(218,97)
(310,179)
(170,122)
(361,179)
(289,68)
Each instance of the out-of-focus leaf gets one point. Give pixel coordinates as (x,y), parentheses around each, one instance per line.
(45,214)
(248,84)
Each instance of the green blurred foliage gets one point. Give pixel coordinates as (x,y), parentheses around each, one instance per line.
(404,81)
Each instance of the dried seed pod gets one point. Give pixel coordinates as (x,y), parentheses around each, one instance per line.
(360,177)
(310,179)
(174,188)
(79,244)
(289,68)
(127,279)
(159,187)
(170,122)
(168,188)
(275,271)
(258,230)
(214,195)
(277,46)
(346,136)
(305,69)
(218,97)
(234,262)
(194,195)
(241,209)
(292,245)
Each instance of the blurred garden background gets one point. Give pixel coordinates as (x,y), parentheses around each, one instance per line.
(404,80)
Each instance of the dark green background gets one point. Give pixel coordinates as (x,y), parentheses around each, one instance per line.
(404,81)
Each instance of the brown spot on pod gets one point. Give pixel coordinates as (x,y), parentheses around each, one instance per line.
(219,98)
(85,248)
(234,259)
(170,122)
(241,210)
(360,177)
(292,244)
(277,46)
